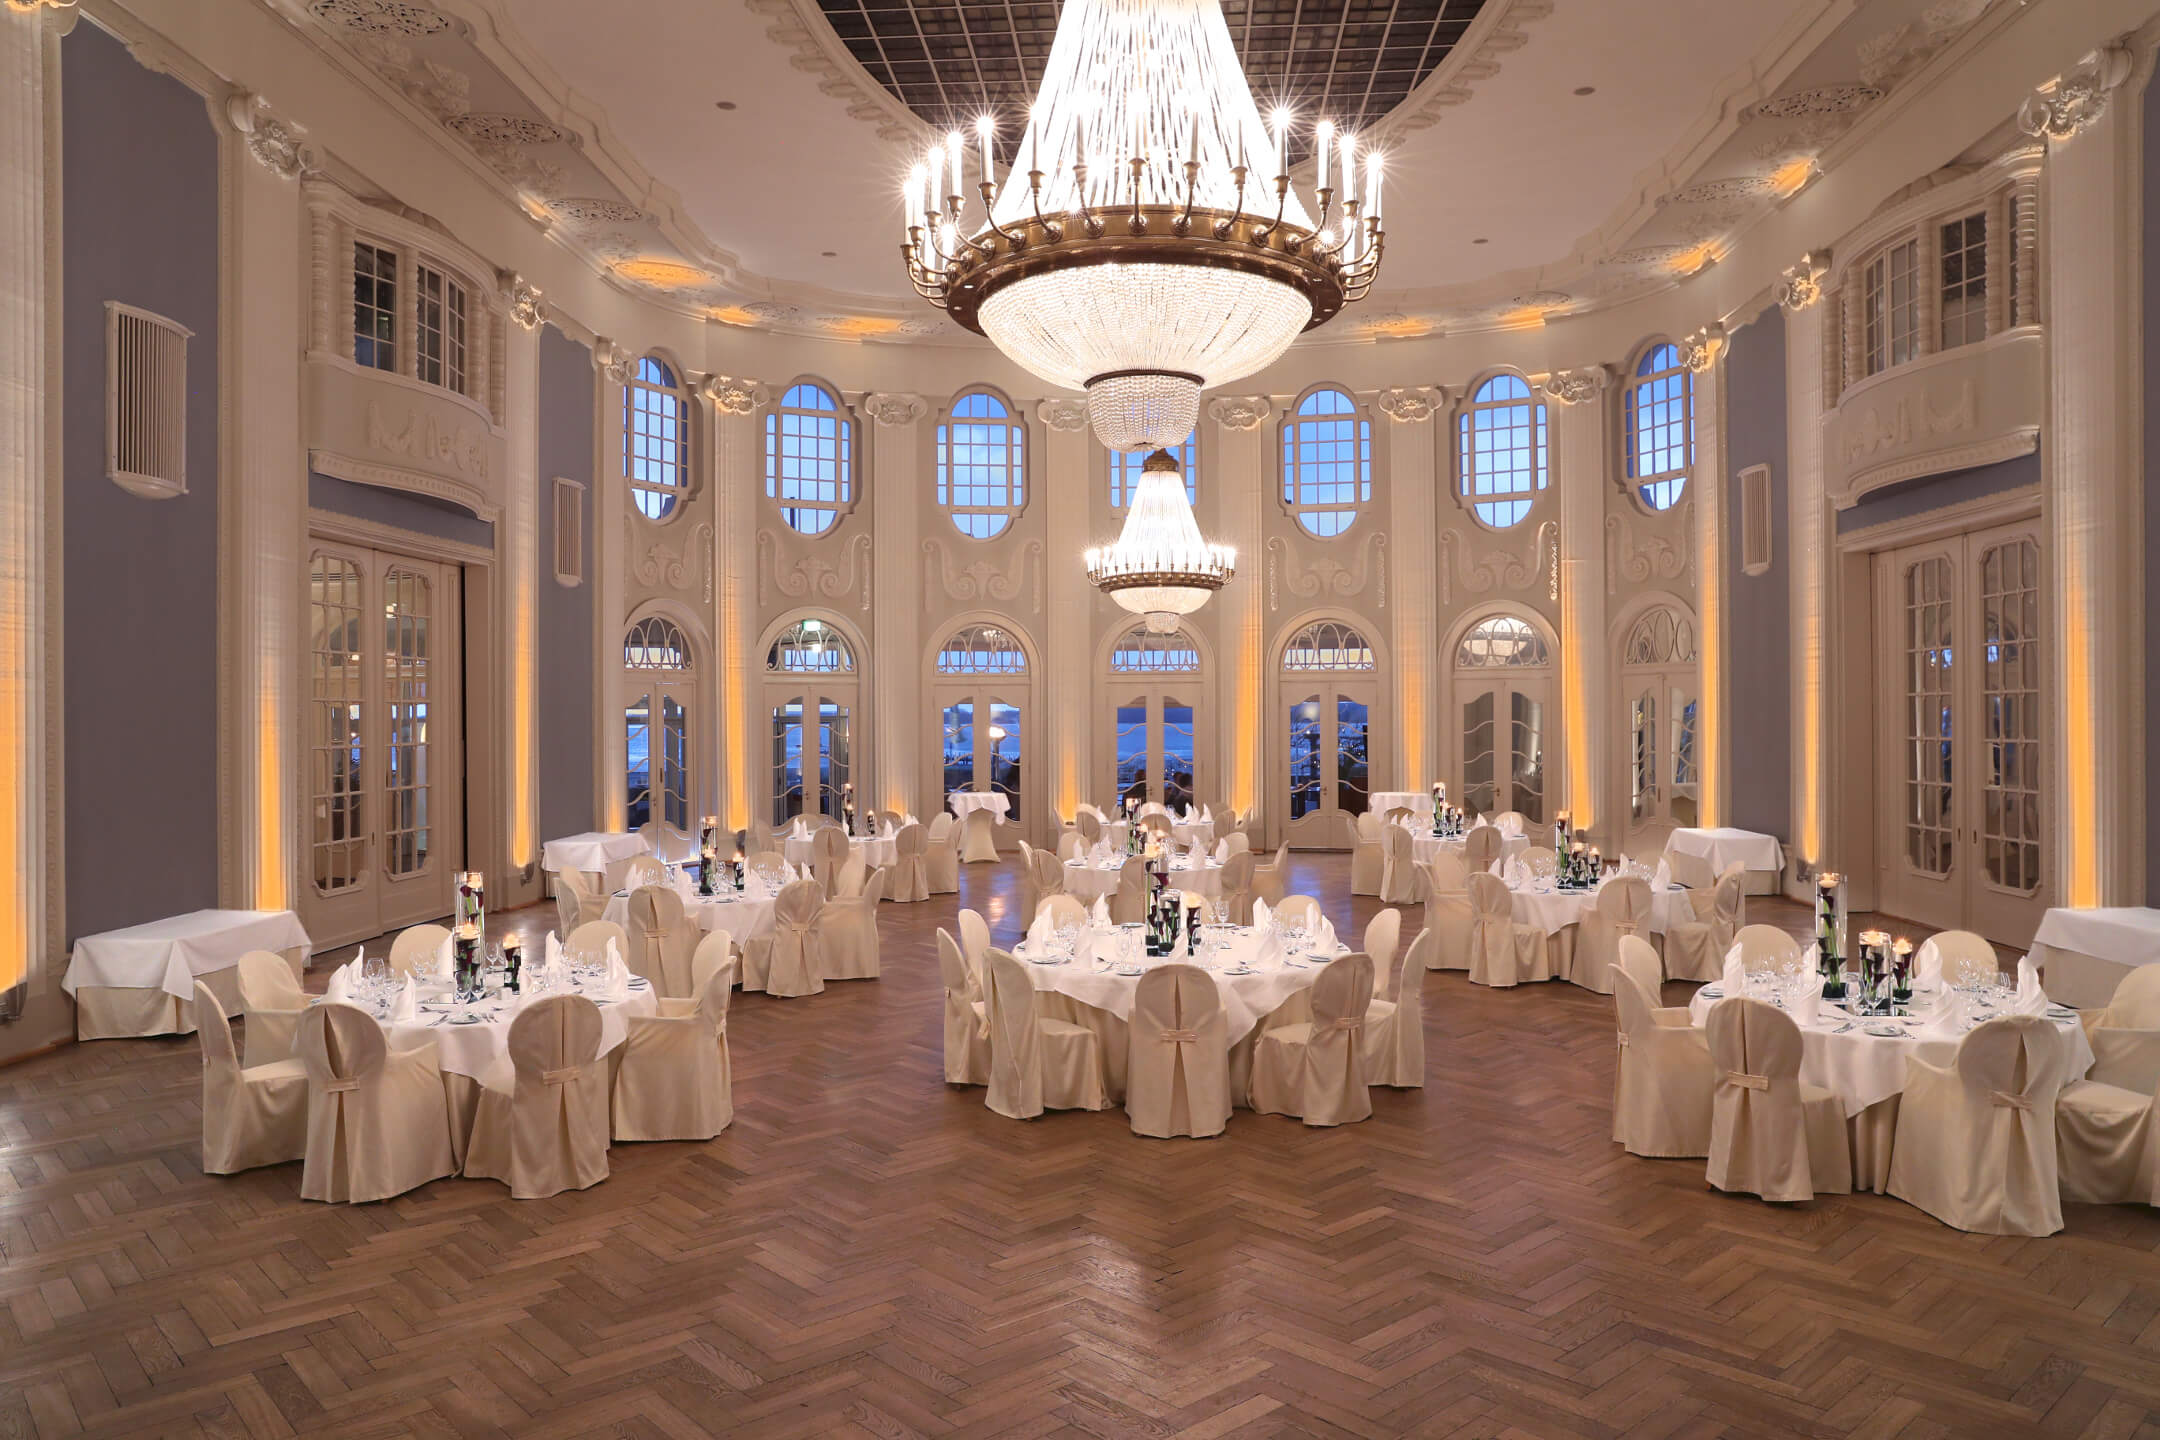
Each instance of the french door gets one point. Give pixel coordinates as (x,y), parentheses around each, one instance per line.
(812,758)
(1152,749)
(1962,737)
(1503,747)
(1329,759)
(385,787)
(981,747)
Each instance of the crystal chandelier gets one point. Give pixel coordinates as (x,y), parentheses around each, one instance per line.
(1160,568)
(1133,250)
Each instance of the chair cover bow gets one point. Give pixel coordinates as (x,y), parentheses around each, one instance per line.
(2008,1100)
(1181,1037)
(1745,1080)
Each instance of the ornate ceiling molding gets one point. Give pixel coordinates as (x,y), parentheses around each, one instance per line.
(276,144)
(1500,29)
(813,49)
(2073,101)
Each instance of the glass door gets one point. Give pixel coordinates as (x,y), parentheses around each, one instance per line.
(812,761)
(981,749)
(1329,763)
(1153,748)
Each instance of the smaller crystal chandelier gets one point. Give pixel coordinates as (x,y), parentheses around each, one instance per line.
(1160,568)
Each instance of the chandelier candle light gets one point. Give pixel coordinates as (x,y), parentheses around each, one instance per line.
(1160,567)
(1147,242)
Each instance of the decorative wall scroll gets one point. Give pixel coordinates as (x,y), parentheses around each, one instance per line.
(1240,412)
(1699,350)
(1325,575)
(1802,284)
(427,440)
(1656,554)
(1064,416)
(816,576)
(2073,101)
(980,580)
(1494,568)
(526,307)
(1574,387)
(1411,406)
(275,143)
(889,409)
(611,360)
(729,394)
(671,566)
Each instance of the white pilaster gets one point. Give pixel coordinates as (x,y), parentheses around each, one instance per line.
(610,562)
(1414,541)
(518,544)
(1704,352)
(263,514)
(1069,663)
(1582,457)
(896,489)
(2092,457)
(1240,478)
(735,625)
(1807,546)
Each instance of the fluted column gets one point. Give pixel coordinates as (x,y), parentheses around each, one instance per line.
(2092,457)
(1069,666)
(1704,353)
(1413,540)
(735,600)
(1239,478)
(263,509)
(896,488)
(1581,455)
(518,544)
(1808,542)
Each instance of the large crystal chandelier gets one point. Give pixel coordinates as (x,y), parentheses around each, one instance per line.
(1160,568)
(1134,250)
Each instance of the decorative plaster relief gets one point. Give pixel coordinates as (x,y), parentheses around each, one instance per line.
(889,409)
(1574,387)
(426,439)
(1451,82)
(731,395)
(1699,350)
(1240,412)
(1309,579)
(2071,102)
(1413,406)
(1802,284)
(1654,555)
(1497,567)
(611,360)
(275,143)
(1912,417)
(1064,416)
(981,580)
(675,567)
(526,306)
(1971,405)
(816,576)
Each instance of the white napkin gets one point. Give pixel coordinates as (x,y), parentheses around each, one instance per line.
(406,1008)
(1207,815)
(1480,821)
(1927,964)
(1100,915)
(1325,942)
(1662,880)
(1038,933)
(342,981)
(1806,1002)
(555,963)
(617,983)
(1948,1020)
(1735,977)
(1261,915)
(2030,998)
(1515,872)
(1222,850)
(799,831)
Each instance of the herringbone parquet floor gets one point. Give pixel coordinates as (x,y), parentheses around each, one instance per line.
(868,1253)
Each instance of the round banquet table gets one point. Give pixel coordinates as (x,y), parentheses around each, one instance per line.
(962,801)
(1417,802)
(875,850)
(1086,988)
(1424,845)
(604,853)
(1867,1072)
(1185,832)
(1553,910)
(1085,880)
(748,916)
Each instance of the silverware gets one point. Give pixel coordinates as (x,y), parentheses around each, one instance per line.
(1843,1028)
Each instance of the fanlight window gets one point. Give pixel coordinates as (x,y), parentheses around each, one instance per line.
(811,647)
(1326,645)
(656,438)
(1125,472)
(1142,652)
(981,650)
(1327,462)
(1660,426)
(809,458)
(981,466)
(655,643)
(1501,641)
(1661,637)
(1501,450)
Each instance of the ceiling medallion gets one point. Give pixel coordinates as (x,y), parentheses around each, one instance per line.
(1160,568)
(1134,250)
(489,129)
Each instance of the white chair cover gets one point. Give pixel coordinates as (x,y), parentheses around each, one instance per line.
(1395,1021)
(909,880)
(415,945)
(644,870)
(1502,953)
(1447,912)
(979,842)
(577,900)
(1695,947)
(1237,887)
(715,950)
(270,1003)
(941,862)
(1239,842)
(674,1079)
(1511,822)
(1316,1070)
(1481,847)
(967,1017)
(770,865)
(1763,947)
(845,933)
(2104,1124)
(1059,911)
(1272,880)
(376,1123)
(1301,911)
(1622,910)
(1177,1071)
(1400,881)
(543,1128)
(1945,948)
(1128,903)
(593,937)
(1366,858)
(1975,1144)
(256,1116)
(1663,1092)
(1770,1134)
(828,852)
(792,958)
(662,940)
(851,877)
(1036,1064)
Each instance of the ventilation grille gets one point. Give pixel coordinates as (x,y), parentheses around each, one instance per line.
(569,532)
(146,395)
(1755,520)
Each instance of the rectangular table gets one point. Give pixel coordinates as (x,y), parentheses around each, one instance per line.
(606,853)
(1698,855)
(2086,953)
(141,980)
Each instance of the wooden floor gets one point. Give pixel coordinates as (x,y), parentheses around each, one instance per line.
(869,1253)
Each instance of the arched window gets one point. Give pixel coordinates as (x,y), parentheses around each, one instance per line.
(1501,640)
(981,650)
(1658,663)
(1125,472)
(656,438)
(1501,451)
(658,688)
(810,647)
(1143,652)
(1659,426)
(1327,645)
(1327,462)
(1502,682)
(981,466)
(810,458)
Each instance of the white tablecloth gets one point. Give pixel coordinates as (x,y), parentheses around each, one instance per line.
(1424,845)
(1863,1069)
(875,849)
(1085,881)
(1418,802)
(480,1049)
(1553,910)
(593,850)
(168,954)
(963,801)
(745,917)
(1247,999)
(1699,856)
(2087,952)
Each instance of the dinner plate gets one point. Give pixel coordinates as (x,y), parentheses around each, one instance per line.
(464,1019)
(1887,1032)
(1128,969)
(1713,992)
(1241,970)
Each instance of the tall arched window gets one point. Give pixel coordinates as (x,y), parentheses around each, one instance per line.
(810,458)
(1658,678)
(1501,451)
(1502,680)
(1658,423)
(980,695)
(1329,695)
(659,684)
(1156,684)
(1125,472)
(810,691)
(981,466)
(656,438)
(1327,462)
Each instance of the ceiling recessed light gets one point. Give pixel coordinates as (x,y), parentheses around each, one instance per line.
(1586,90)
(1479,241)
(723,104)
(829,254)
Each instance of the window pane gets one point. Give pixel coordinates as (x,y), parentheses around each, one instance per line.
(1304,757)
(1004,740)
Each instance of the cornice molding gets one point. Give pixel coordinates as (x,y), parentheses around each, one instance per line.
(395,477)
